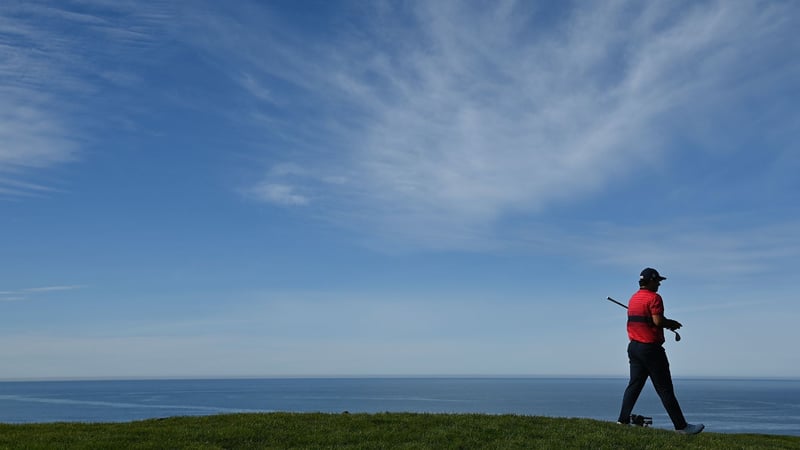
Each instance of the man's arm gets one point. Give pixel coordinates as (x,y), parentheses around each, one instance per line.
(660,321)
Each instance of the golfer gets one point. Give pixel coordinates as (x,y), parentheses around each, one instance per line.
(646,323)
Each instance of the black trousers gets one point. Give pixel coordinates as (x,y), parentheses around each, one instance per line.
(650,360)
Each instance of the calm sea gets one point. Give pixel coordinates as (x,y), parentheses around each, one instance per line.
(723,405)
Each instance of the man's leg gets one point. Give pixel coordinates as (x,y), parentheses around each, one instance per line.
(658,366)
(638,379)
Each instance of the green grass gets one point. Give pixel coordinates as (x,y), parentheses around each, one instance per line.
(370,431)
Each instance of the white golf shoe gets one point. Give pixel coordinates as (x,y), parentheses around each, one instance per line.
(692,429)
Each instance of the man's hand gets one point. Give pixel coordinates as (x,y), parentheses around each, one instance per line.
(663,322)
(672,324)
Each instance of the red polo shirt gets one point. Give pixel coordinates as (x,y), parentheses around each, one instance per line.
(643,305)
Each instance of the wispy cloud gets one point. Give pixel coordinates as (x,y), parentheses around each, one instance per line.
(10,187)
(445,118)
(706,250)
(31,293)
(428,123)
(31,137)
(53,288)
(54,63)
(278,193)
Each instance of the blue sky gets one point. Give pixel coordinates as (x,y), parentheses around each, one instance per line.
(395,188)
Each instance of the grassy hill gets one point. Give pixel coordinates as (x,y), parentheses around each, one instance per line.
(370,431)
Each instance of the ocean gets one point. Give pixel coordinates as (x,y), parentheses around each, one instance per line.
(723,405)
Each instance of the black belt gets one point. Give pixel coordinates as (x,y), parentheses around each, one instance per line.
(634,341)
(644,319)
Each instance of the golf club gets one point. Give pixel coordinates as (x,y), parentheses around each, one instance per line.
(677,336)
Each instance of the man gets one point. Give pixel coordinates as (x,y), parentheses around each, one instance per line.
(646,323)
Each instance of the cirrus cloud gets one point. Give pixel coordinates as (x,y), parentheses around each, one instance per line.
(446,118)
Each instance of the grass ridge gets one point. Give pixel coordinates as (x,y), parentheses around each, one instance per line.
(370,431)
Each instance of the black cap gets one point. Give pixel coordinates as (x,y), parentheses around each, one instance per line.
(650,274)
